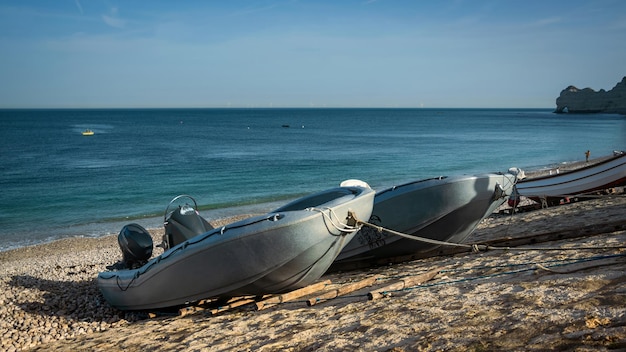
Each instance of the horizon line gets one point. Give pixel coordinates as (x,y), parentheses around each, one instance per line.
(268,108)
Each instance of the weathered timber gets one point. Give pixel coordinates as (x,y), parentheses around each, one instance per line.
(290,296)
(402,284)
(342,290)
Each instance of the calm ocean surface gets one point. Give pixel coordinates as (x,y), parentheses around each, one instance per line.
(57,183)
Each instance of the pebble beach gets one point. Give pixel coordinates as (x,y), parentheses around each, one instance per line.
(565,294)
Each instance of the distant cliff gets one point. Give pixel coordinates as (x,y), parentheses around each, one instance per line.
(587,100)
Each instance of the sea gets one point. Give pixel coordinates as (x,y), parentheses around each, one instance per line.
(57,183)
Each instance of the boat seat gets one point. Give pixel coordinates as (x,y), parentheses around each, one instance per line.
(182,224)
(324,199)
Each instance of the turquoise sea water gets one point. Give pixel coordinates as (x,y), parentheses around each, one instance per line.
(57,183)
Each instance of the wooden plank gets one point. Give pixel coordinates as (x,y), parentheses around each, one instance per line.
(208,303)
(290,296)
(342,290)
(235,304)
(196,307)
(402,284)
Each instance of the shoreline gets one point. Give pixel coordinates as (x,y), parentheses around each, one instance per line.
(50,300)
(223,216)
(219,215)
(71,244)
(495,300)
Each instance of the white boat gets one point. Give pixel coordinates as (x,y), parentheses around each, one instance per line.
(286,249)
(599,176)
(444,209)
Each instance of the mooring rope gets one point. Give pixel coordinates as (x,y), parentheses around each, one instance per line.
(509,181)
(381,229)
(479,247)
(337,224)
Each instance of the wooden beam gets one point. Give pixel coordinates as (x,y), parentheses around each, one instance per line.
(402,284)
(290,296)
(342,290)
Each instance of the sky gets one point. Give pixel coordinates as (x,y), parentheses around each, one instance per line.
(326,53)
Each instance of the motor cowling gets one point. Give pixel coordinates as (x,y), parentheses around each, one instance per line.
(136,245)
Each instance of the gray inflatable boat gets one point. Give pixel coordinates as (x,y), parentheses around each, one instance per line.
(444,208)
(286,249)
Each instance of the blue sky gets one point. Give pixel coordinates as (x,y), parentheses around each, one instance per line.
(376,53)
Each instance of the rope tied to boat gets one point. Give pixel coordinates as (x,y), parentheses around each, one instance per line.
(476,247)
(505,185)
(381,229)
(333,219)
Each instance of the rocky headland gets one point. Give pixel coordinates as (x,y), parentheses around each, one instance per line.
(587,100)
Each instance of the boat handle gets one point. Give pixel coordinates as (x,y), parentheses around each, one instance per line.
(195,205)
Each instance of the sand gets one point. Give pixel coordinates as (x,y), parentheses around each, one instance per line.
(572,298)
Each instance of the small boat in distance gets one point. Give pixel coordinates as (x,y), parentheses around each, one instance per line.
(286,249)
(88,132)
(556,186)
(443,208)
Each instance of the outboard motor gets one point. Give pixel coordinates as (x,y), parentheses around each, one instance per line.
(182,223)
(136,245)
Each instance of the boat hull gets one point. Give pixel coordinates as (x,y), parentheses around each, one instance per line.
(444,209)
(600,176)
(289,248)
